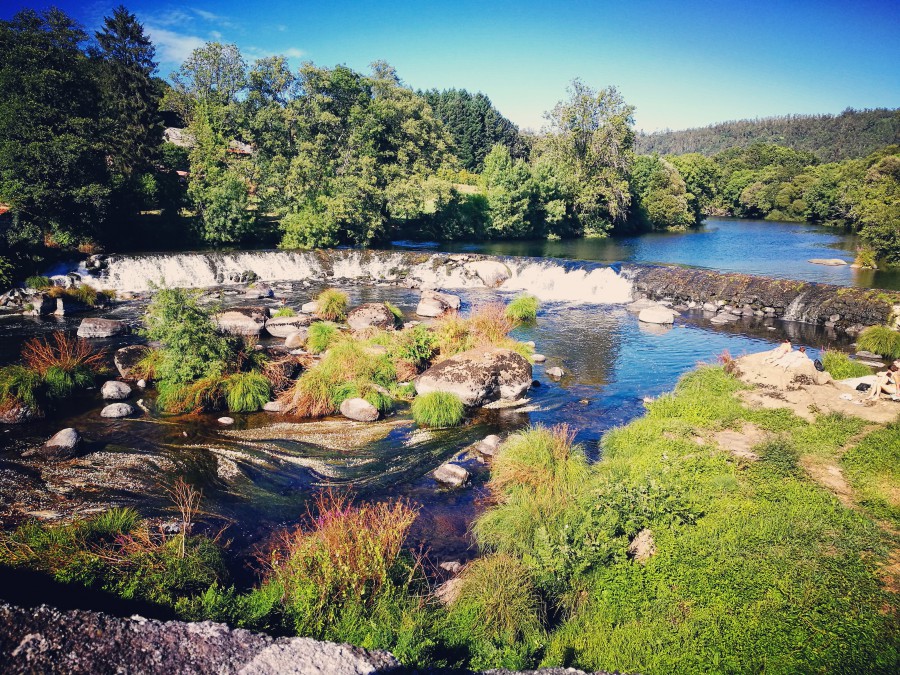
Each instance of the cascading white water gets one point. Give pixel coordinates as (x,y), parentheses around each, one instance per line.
(794,311)
(549,280)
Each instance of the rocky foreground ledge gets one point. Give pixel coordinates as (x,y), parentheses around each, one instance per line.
(46,640)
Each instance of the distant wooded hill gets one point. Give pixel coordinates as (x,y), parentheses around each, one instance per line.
(852,134)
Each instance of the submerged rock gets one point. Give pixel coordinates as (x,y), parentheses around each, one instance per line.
(371,315)
(538,358)
(433,303)
(831,262)
(479,376)
(101,328)
(451,474)
(226,420)
(556,372)
(114,390)
(488,446)
(282,326)
(359,410)
(117,410)
(127,358)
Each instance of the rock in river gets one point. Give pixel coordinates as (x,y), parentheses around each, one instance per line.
(433,303)
(371,315)
(831,262)
(127,358)
(491,272)
(242,320)
(114,390)
(19,414)
(296,339)
(451,474)
(479,376)
(117,410)
(101,328)
(658,314)
(282,326)
(359,409)
(62,445)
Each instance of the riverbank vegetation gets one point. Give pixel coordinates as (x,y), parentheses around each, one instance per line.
(324,156)
(671,555)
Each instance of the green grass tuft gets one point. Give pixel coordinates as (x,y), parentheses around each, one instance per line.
(880,340)
(284,311)
(247,392)
(38,282)
(332,304)
(438,409)
(62,383)
(321,335)
(398,314)
(842,367)
(19,386)
(523,308)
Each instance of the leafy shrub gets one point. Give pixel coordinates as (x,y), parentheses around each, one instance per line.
(321,335)
(247,392)
(866,257)
(309,228)
(38,282)
(880,340)
(284,311)
(438,409)
(7,271)
(416,345)
(191,347)
(842,367)
(522,308)
(332,305)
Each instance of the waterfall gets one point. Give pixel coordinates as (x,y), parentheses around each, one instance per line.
(794,311)
(549,280)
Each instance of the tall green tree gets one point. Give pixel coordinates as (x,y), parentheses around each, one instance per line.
(661,197)
(589,143)
(53,168)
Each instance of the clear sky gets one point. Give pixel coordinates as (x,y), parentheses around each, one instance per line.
(682,64)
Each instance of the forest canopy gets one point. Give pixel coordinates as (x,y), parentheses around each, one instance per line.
(259,154)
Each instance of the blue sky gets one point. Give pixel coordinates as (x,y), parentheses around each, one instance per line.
(682,64)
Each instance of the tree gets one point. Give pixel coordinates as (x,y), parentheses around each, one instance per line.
(53,169)
(213,75)
(661,196)
(131,126)
(589,142)
(511,195)
(701,178)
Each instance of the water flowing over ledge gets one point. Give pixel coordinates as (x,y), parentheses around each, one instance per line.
(548,279)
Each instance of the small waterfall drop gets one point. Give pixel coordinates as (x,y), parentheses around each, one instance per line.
(549,280)
(795,310)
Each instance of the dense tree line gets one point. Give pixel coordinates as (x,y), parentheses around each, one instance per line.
(851,135)
(330,156)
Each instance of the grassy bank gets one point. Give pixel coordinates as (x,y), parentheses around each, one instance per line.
(686,549)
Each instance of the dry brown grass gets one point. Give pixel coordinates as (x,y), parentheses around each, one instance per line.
(62,351)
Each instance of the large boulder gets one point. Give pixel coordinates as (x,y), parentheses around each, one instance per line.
(658,315)
(433,303)
(101,328)
(127,358)
(479,376)
(371,315)
(248,321)
(113,390)
(62,445)
(115,410)
(359,409)
(282,326)
(452,475)
(491,272)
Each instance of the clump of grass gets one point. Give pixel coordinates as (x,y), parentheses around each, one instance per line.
(842,367)
(321,335)
(38,283)
(438,409)
(364,390)
(201,395)
(347,363)
(489,326)
(396,311)
(86,294)
(343,556)
(498,599)
(145,368)
(415,345)
(19,387)
(64,363)
(332,305)
(247,392)
(523,308)
(284,311)
(880,340)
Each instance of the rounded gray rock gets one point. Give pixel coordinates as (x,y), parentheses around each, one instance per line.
(101,328)
(117,410)
(359,409)
(371,315)
(296,339)
(113,390)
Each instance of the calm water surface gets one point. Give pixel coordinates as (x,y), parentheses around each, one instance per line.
(767,248)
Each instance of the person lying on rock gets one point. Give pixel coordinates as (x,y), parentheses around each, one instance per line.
(780,351)
(885,383)
(792,359)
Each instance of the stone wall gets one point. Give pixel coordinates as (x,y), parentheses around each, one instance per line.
(838,306)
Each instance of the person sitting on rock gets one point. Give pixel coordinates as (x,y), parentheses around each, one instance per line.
(793,359)
(781,350)
(885,383)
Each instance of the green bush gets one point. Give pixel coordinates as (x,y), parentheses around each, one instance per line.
(332,305)
(880,340)
(284,311)
(438,409)
(842,367)
(247,392)
(416,345)
(321,335)
(38,282)
(522,308)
